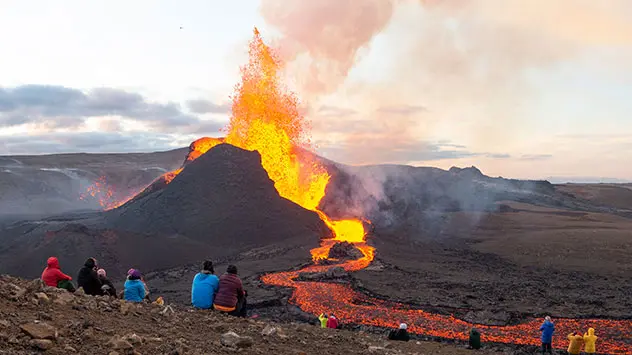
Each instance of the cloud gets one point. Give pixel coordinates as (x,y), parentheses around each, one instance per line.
(204,106)
(401,109)
(498,156)
(383,152)
(50,107)
(335,111)
(534,157)
(90,142)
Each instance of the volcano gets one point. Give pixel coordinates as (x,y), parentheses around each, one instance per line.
(224,198)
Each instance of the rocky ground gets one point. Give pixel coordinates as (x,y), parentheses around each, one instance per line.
(34,318)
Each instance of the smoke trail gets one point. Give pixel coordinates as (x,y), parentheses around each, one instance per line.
(326,36)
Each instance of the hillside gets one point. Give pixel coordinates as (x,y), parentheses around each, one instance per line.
(41,185)
(34,318)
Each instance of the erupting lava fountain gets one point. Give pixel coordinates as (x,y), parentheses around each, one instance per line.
(265,118)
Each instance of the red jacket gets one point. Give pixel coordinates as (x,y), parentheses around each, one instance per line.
(52,275)
(332,322)
(230,289)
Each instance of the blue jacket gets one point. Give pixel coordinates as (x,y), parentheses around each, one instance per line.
(203,290)
(547,330)
(134,290)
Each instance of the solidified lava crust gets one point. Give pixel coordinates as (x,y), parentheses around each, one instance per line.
(357,308)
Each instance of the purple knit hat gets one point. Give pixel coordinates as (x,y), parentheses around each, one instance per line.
(135,274)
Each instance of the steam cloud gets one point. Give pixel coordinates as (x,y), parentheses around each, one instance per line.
(466,61)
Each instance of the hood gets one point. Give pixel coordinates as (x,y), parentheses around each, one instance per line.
(205,275)
(90,263)
(591,331)
(547,324)
(53,262)
(133,281)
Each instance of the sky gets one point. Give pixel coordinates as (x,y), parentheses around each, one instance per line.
(523,89)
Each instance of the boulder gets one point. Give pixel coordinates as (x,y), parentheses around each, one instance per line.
(118,343)
(42,298)
(39,331)
(63,298)
(269,330)
(344,250)
(233,340)
(42,344)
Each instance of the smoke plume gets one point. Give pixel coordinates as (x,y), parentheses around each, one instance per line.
(469,62)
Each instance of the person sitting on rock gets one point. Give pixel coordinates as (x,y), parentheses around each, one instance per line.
(53,277)
(547,330)
(475,339)
(134,287)
(204,287)
(231,297)
(589,341)
(88,278)
(575,341)
(323,320)
(107,287)
(332,322)
(400,334)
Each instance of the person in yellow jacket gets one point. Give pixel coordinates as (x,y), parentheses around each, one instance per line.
(589,341)
(575,343)
(323,320)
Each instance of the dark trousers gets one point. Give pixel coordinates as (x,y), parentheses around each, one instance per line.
(546,348)
(66,285)
(240,308)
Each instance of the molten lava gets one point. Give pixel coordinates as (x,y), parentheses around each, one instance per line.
(105,194)
(265,118)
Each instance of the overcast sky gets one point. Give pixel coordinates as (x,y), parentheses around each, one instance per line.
(525,89)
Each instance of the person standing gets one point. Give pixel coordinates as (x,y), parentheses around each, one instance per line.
(589,341)
(332,322)
(323,320)
(400,334)
(547,329)
(575,341)
(475,339)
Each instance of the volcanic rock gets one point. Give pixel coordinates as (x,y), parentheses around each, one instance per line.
(233,340)
(39,330)
(42,344)
(344,250)
(224,197)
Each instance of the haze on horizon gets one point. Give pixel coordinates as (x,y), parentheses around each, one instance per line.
(519,89)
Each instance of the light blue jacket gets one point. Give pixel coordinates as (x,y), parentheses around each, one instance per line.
(203,290)
(134,290)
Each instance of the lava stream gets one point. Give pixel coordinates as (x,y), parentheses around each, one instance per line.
(357,308)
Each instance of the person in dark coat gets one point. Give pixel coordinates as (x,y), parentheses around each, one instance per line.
(88,278)
(107,287)
(231,297)
(400,334)
(475,339)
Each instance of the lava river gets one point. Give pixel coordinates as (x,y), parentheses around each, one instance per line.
(357,308)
